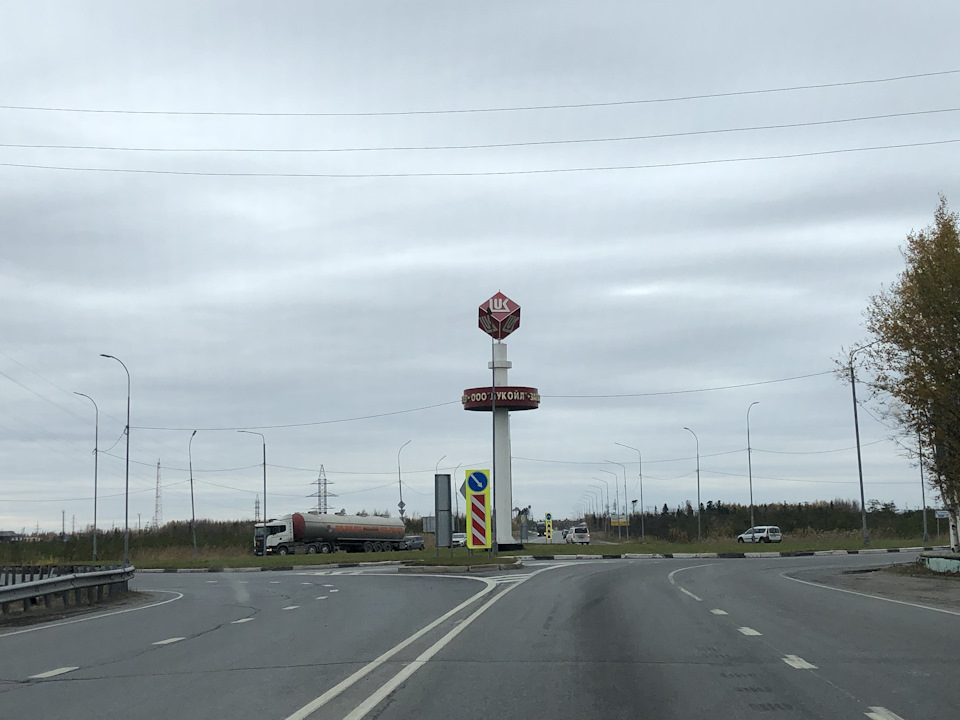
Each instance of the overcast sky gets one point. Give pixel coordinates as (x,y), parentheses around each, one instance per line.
(265,290)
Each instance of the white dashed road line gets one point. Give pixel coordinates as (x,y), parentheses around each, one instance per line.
(52,673)
(798,662)
(274,582)
(717,611)
(241,620)
(168,641)
(881,713)
(334,590)
(749,631)
(328,585)
(291,607)
(322,597)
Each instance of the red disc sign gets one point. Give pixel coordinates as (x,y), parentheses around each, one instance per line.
(499,316)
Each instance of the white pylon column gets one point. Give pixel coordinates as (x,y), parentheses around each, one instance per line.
(502,468)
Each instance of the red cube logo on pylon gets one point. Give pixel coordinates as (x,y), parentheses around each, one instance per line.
(499,316)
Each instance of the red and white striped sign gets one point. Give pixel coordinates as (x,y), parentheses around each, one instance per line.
(479,534)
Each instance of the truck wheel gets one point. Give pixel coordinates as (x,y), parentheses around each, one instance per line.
(368,547)
(325,549)
(311,549)
(282,550)
(378,547)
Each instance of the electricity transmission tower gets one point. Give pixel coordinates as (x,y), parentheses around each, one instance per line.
(323,493)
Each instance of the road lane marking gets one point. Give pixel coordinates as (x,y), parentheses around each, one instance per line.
(717,611)
(306,583)
(683,589)
(291,607)
(322,597)
(241,620)
(274,582)
(798,662)
(881,713)
(168,641)
(334,590)
(376,698)
(212,581)
(179,595)
(749,631)
(52,673)
(866,595)
(328,585)
(337,689)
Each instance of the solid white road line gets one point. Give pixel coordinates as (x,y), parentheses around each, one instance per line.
(798,662)
(290,607)
(333,692)
(717,611)
(179,595)
(241,620)
(875,597)
(52,673)
(168,641)
(749,631)
(881,713)
(376,698)
(682,589)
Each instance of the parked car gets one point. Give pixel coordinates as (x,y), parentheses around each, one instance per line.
(413,542)
(578,535)
(761,533)
(459,539)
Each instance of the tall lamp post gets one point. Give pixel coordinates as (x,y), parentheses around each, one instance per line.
(856,430)
(606,512)
(640,465)
(265,516)
(96,457)
(616,495)
(400,505)
(750,461)
(625,512)
(126,491)
(193,514)
(699,526)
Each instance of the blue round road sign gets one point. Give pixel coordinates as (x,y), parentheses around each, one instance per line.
(549,516)
(477,482)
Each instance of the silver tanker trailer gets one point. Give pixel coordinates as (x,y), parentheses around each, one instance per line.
(311,532)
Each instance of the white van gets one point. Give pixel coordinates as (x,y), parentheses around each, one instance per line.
(578,535)
(761,533)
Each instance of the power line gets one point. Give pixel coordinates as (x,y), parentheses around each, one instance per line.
(480,146)
(699,390)
(487,173)
(463,111)
(308,424)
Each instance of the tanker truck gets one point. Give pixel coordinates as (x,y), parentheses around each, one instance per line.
(311,532)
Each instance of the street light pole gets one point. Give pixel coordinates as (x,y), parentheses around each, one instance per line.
(626,514)
(750,462)
(456,498)
(699,526)
(616,495)
(265,516)
(400,505)
(856,429)
(126,491)
(923,490)
(640,465)
(96,457)
(607,508)
(193,513)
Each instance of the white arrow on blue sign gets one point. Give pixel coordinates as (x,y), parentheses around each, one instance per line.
(477,482)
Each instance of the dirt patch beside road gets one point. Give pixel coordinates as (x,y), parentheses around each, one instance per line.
(905,582)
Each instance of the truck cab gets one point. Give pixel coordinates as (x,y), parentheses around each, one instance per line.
(269,535)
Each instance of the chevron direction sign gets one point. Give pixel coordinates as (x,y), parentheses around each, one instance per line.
(479,526)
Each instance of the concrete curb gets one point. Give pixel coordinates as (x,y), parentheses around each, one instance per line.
(728,555)
(455,569)
(278,568)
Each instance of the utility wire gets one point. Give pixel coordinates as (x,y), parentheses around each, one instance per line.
(461,111)
(698,390)
(488,173)
(479,146)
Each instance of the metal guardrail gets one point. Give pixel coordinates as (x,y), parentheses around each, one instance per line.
(32,590)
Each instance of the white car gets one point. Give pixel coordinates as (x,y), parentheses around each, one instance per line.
(459,540)
(578,535)
(761,533)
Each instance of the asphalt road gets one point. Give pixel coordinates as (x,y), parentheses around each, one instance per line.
(570,639)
